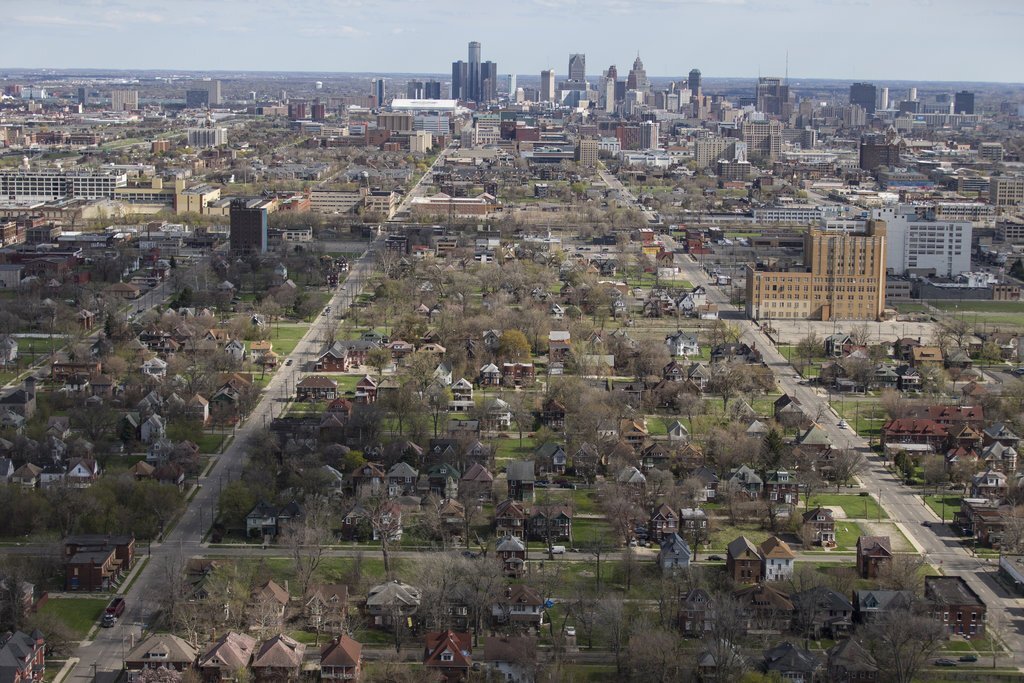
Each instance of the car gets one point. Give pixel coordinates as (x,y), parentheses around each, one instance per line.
(632,543)
(926,523)
(113,612)
(842,424)
(288,362)
(570,631)
(470,554)
(944,662)
(716,558)
(1018,372)
(968,658)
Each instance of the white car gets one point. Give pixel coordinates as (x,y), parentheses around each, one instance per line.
(842,424)
(570,631)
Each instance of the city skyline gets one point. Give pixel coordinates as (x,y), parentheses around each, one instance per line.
(57,34)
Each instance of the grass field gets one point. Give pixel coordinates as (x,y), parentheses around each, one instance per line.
(210,442)
(286,336)
(855,506)
(864,417)
(952,504)
(510,449)
(78,614)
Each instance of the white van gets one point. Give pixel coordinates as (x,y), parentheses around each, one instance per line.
(558,550)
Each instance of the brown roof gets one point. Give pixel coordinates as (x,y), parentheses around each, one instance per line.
(775,548)
(342,651)
(510,649)
(271,591)
(231,652)
(317,382)
(869,545)
(458,644)
(280,652)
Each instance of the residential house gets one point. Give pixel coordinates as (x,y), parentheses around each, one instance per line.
(663,522)
(908,378)
(268,520)
(462,396)
(633,432)
(341,659)
(983,519)
(790,412)
(743,562)
(21,401)
(369,480)
(922,432)
(521,480)
(477,481)
(792,664)
(230,654)
(511,552)
(693,524)
(873,554)
(746,480)
(512,658)
(850,662)
(22,657)
(8,350)
(777,558)
(709,484)
(926,356)
(819,525)
(550,523)
(780,486)
(677,432)
(94,561)
(366,390)
(674,553)
(152,429)
(553,415)
(402,479)
(510,518)
(822,612)
(490,376)
(519,604)
(443,480)
(392,600)
(956,605)
(159,651)
(517,374)
(278,659)
(27,476)
(990,484)
(695,613)
(316,388)
(154,367)
(764,608)
(449,653)
(550,457)
(497,415)
(682,343)
(326,606)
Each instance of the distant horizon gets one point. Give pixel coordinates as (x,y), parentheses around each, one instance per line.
(946,41)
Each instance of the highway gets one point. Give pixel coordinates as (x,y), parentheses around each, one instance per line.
(936,542)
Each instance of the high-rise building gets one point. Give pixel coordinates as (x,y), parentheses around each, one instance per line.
(460,80)
(693,82)
(379,90)
(763,138)
(650,130)
(207,137)
(488,82)
(963,102)
(577,67)
(248,226)
(414,90)
(83,96)
(880,150)
(773,97)
(124,100)
(925,246)
(587,152)
(883,98)
(432,90)
(637,79)
(197,99)
(843,279)
(475,90)
(865,95)
(547,85)
(512,87)
(1006,190)
(912,94)
(212,88)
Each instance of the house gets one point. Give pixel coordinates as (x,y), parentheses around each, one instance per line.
(908,378)
(82,472)
(743,562)
(511,551)
(462,396)
(873,554)
(999,457)
(926,356)
(793,664)
(392,600)
(154,367)
(94,561)
(709,483)
(341,659)
(512,658)
(159,651)
(268,520)
(21,401)
(682,343)
(550,457)
(368,480)
(780,486)
(990,484)
(152,429)
(490,376)
(956,605)
(358,525)
(674,553)
(334,359)
(747,480)
(631,477)
(789,412)
(552,414)
(278,659)
(850,662)
(443,480)
(510,518)
(764,608)
(922,432)
(8,350)
(663,522)
(449,653)
(477,481)
(27,476)
(402,479)
(521,480)
(633,431)
(821,612)
(677,432)
(517,374)
(316,388)
(819,525)
(695,618)
(519,604)
(777,558)
(497,415)
(693,524)
(229,654)
(550,523)
(269,602)
(327,606)
(22,657)
(870,605)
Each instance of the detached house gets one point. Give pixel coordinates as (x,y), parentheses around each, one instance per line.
(743,561)
(873,553)
(820,525)
(682,343)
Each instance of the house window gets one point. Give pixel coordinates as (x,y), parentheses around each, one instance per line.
(447,657)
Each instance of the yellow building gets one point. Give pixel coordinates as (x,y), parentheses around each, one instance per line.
(844,279)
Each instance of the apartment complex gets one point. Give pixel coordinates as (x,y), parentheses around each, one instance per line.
(844,279)
(207,137)
(124,100)
(763,138)
(54,184)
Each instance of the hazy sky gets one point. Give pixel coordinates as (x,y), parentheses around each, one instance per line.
(972,40)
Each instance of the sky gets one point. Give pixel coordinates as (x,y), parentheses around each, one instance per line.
(924,40)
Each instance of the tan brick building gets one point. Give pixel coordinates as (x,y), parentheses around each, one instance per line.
(844,279)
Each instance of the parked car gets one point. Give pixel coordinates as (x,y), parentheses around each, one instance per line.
(944,662)
(842,424)
(113,612)
(716,558)
(968,658)
(557,550)
(570,631)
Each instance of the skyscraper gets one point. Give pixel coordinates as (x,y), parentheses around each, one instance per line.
(379,90)
(488,82)
(83,96)
(124,100)
(577,67)
(475,91)
(693,82)
(883,98)
(611,78)
(460,81)
(248,226)
(963,102)
(512,87)
(547,85)
(773,97)
(637,79)
(864,94)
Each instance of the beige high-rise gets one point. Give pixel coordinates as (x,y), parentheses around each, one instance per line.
(844,279)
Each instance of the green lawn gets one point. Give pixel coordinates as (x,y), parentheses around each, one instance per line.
(510,449)
(78,614)
(210,442)
(847,533)
(723,534)
(855,506)
(286,336)
(952,504)
(865,417)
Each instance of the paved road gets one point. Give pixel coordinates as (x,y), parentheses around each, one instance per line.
(937,542)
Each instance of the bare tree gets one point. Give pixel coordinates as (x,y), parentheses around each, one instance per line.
(902,640)
(386,522)
(846,464)
(306,540)
(614,621)
(904,572)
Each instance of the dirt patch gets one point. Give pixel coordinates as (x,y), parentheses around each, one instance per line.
(837,512)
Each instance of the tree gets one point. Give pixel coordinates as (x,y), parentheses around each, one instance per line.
(726,380)
(236,501)
(439,397)
(513,345)
(808,348)
(306,540)
(386,522)
(904,572)
(846,464)
(378,358)
(902,640)
(615,624)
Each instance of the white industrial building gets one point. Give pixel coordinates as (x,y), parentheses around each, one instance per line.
(921,245)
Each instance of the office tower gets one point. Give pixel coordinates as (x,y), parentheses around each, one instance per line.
(488,82)
(577,67)
(912,94)
(379,90)
(475,91)
(963,102)
(763,138)
(925,246)
(883,98)
(319,111)
(844,279)
(432,90)
(637,79)
(213,88)
(83,96)
(414,90)
(512,87)
(197,99)
(608,90)
(587,152)
(207,137)
(880,150)
(650,131)
(693,82)
(124,100)
(460,81)
(865,95)
(297,110)
(248,226)
(547,85)
(773,97)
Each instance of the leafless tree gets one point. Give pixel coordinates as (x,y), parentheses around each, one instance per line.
(902,640)
(306,540)
(614,620)
(904,572)
(846,464)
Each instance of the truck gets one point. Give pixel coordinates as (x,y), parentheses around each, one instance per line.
(113,612)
